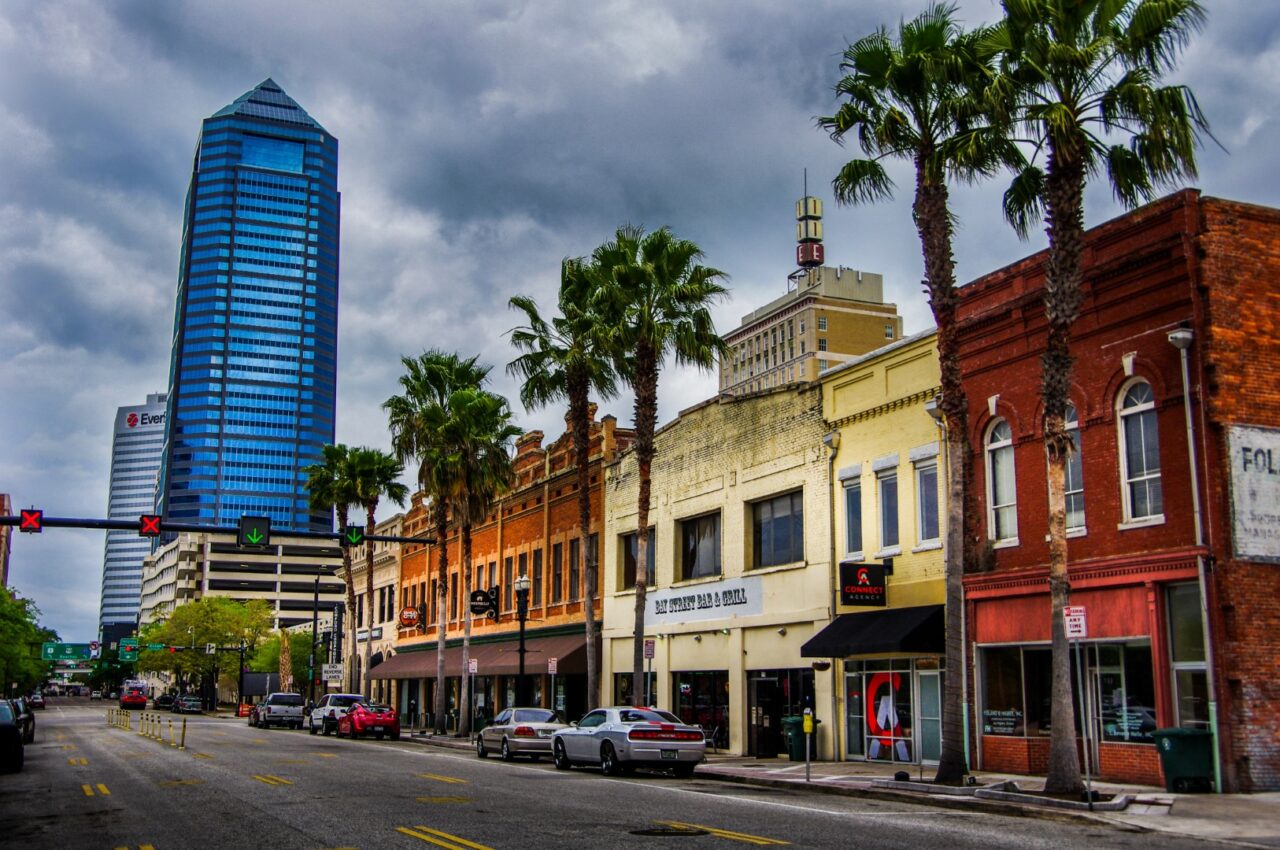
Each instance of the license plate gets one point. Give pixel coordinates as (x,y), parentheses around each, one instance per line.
(377,728)
(670,754)
(544,733)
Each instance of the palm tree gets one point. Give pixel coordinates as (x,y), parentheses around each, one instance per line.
(913,96)
(420,420)
(564,360)
(483,433)
(375,473)
(655,298)
(333,488)
(1077,76)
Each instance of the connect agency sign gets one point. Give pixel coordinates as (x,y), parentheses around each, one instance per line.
(862,584)
(1254,459)
(712,601)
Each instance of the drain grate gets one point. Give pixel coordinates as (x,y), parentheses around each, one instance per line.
(669,831)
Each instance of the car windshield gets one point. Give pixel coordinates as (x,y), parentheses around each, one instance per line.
(646,715)
(6,713)
(534,715)
(285,699)
(345,701)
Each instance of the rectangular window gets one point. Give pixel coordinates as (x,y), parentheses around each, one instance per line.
(360,611)
(700,549)
(557,556)
(593,550)
(575,571)
(1186,651)
(822,343)
(629,544)
(537,577)
(508,583)
(1002,705)
(522,564)
(493,576)
(435,601)
(927,503)
(887,484)
(888,331)
(777,529)
(853,518)
(453,599)
(822,323)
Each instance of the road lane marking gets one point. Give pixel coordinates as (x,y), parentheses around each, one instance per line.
(438,778)
(270,779)
(202,755)
(89,790)
(326,755)
(67,747)
(140,847)
(257,740)
(78,761)
(725,833)
(444,799)
(173,783)
(440,839)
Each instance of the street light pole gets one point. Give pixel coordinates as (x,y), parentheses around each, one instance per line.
(311,659)
(522,613)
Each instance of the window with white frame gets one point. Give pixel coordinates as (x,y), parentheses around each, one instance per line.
(887,485)
(927,502)
(777,530)
(700,547)
(822,323)
(1002,492)
(853,517)
(1075,473)
(1140,453)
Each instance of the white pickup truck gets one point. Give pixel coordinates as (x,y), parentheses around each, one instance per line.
(278,710)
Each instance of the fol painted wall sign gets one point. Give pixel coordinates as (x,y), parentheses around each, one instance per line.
(1254,458)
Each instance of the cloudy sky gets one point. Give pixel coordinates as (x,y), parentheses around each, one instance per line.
(481,142)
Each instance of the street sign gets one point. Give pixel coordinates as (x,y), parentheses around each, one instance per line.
(254,531)
(149,525)
(352,535)
(862,584)
(648,647)
(94,645)
(156,647)
(551,666)
(473,666)
(210,649)
(1076,622)
(409,617)
(54,651)
(479,602)
(128,649)
(32,522)
(331,672)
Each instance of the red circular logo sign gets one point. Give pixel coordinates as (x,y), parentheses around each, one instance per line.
(408,617)
(131,420)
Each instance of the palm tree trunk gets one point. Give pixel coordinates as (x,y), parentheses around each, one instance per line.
(1064,189)
(579,418)
(442,590)
(368,604)
(646,414)
(464,725)
(933,223)
(350,637)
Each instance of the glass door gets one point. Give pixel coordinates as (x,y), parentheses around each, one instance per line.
(930,685)
(889,716)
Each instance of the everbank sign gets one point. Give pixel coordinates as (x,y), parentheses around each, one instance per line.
(145,418)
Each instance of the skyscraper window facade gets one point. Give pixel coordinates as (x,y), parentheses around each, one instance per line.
(252,378)
(136,449)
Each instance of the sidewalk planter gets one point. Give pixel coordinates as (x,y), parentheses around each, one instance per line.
(1186,757)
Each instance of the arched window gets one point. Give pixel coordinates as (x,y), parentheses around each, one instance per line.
(1002,492)
(1140,454)
(1075,473)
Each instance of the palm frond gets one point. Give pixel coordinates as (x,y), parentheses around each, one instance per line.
(1024,200)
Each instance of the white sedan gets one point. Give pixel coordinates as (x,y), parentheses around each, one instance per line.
(519,732)
(622,738)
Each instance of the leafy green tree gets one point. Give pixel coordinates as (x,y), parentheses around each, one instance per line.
(1079,79)
(375,474)
(655,297)
(422,422)
(190,628)
(21,637)
(267,657)
(916,96)
(564,360)
(333,487)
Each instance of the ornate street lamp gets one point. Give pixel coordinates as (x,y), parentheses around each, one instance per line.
(522,614)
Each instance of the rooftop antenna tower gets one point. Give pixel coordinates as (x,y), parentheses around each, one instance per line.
(809,249)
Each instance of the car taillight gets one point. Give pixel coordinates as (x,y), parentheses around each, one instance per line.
(525,732)
(662,735)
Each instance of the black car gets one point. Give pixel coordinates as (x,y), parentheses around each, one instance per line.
(26,719)
(163,702)
(11,734)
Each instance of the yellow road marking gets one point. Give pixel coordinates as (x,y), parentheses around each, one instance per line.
(725,833)
(440,839)
(89,790)
(270,779)
(102,789)
(67,747)
(202,755)
(77,761)
(444,799)
(439,778)
(327,755)
(257,740)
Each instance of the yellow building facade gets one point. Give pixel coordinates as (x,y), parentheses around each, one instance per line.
(888,488)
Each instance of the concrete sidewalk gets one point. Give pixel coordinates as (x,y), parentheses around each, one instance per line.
(1250,820)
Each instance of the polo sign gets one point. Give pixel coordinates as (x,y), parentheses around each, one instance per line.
(1076,622)
(862,584)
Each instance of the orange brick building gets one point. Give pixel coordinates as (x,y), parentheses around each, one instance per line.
(533,530)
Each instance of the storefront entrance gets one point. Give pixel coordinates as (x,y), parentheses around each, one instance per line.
(702,698)
(771,696)
(893,710)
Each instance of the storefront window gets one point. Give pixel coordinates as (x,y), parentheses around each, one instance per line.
(1002,709)
(1186,650)
(702,698)
(1126,692)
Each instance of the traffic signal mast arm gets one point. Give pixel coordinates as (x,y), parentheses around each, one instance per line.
(165,525)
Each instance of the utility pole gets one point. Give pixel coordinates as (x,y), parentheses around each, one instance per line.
(311,659)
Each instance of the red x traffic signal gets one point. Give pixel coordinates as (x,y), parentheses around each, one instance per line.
(32,522)
(149,525)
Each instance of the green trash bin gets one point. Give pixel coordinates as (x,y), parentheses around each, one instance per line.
(793,730)
(1186,757)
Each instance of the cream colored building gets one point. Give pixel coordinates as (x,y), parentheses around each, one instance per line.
(741,535)
(383,619)
(889,492)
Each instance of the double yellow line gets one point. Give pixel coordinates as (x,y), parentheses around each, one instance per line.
(438,778)
(269,779)
(725,833)
(440,839)
(89,790)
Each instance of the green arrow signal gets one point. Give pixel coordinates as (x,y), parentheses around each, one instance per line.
(354,536)
(254,536)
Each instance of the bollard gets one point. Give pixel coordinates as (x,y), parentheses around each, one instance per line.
(183,744)
(173,742)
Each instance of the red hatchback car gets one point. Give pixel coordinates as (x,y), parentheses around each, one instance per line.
(133,699)
(366,718)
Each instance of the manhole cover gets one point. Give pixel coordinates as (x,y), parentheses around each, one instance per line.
(664,831)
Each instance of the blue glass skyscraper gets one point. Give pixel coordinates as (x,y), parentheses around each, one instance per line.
(252,378)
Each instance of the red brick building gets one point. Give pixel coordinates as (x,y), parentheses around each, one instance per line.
(533,530)
(1150,503)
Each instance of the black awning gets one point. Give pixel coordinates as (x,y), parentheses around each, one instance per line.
(919,629)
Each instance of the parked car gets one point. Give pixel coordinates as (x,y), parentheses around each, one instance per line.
(114,695)
(280,709)
(132,699)
(519,732)
(37,702)
(622,738)
(26,719)
(164,702)
(12,749)
(325,714)
(188,705)
(367,718)
(96,695)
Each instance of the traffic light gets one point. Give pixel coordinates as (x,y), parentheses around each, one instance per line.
(149,525)
(255,531)
(32,521)
(352,535)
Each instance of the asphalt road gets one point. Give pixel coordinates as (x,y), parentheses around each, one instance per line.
(90,785)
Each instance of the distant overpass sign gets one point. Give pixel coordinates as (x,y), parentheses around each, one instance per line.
(54,651)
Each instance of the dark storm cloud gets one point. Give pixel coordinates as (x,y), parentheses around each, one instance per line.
(481,142)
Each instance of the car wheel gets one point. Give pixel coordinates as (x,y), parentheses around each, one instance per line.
(506,750)
(481,752)
(683,771)
(324,728)
(560,757)
(609,764)
(377,735)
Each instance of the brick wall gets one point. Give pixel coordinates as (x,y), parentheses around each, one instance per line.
(1139,763)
